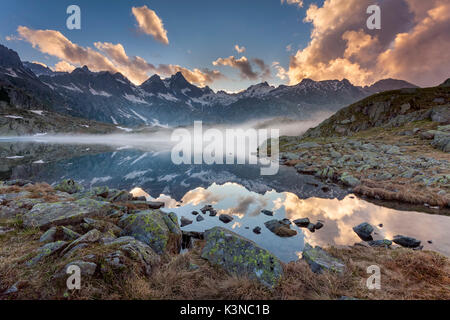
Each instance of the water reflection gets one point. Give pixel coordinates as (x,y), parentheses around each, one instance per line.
(339,217)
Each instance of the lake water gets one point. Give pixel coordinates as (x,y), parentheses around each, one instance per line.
(238,190)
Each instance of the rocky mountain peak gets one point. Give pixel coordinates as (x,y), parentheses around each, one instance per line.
(9,58)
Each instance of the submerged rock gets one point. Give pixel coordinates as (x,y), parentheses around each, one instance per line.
(406,242)
(241,257)
(320,260)
(64,213)
(364,231)
(158,229)
(280,228)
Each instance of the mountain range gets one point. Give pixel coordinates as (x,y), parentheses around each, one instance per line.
(112,98)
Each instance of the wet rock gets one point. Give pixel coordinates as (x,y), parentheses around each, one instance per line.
(155,204)
(69,186)
(212,213)
(64,213)
(185,221)
(257,230)
(241,257)
(225,218)
(302,222)
(406,242)
(320,260)
(318,225)
(311,227)
(199,218)
(194,213)
(279,228)
(45,251)
(158,229)
(206,208)
(267,212)
(364,231)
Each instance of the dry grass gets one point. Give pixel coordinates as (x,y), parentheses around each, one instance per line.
(408,192)
(406,274)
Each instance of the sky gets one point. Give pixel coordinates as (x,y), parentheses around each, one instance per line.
(230,45)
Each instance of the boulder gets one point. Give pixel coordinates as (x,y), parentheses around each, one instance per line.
(280,228)
(267,212)
(364,231)
(257,230)
(349,180)
(199,218)
(64,213)
(302,222)
(185,221)
(45,251)
(225,218)
(158,229)
(103,226)
(69,186)
(68,234)
(320,260)
(49,235)
(406,242)
(241,257)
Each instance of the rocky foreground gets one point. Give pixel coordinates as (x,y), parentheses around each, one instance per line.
(391,146)
(127,248)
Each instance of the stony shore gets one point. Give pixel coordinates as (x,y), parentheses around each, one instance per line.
(127,248)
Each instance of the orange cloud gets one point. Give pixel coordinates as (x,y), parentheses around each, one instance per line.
(245,67)
(296,2)
(239,49)
(110,57)
(149,23)
(413,43)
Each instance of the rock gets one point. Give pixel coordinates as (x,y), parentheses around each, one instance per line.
(267,212)
(280,228)
(441,114)
(156,228)
(349,180)
(86,268)
(302,222)
(320,260)
(103,226)
(185,221)
(120,196)
(45,251)
(199,218)
(17,182)
(69,186)
(142,253)
(212,213)
(49,235)
(194,213)
(73,249)
(364,231)
(69,235)
(225,218)
(241,257)
(380,243)
(63,213)
(140,198)
(406,242)
(311,227)
(155,204)
(308,145)
(318,225)
(257,230)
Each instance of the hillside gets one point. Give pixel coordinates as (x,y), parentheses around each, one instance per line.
(390,146)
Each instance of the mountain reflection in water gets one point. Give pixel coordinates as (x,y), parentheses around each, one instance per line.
(238,190)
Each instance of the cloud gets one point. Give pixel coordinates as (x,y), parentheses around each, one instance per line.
(239,49)
(149,23)
(64,66)
(41,63)
(299,3)
(109,57)
(245,67)
(289,47)
(413,43)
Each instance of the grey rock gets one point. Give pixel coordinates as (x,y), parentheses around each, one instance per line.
(364,231)
(380,243)
(267,212)
(86,268)
(49,235)
(199,218)
(406,242)
(320,260)
(45,251)
(280,228)
(225,218)
(185,221)
(69,186)
(241,257)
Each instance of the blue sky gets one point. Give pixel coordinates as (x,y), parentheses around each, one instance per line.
(199,31)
